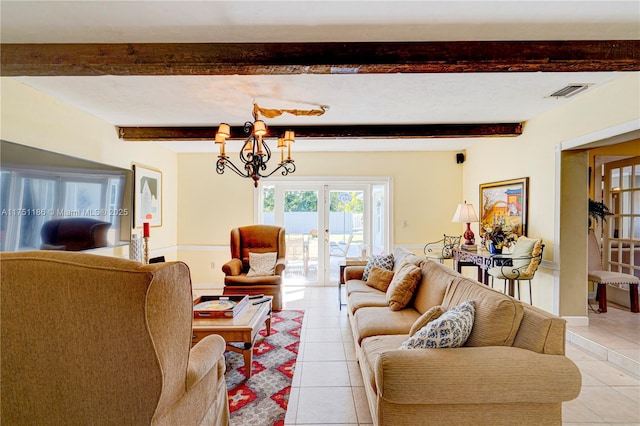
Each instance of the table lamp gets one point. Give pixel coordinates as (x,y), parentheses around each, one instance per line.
(466,214)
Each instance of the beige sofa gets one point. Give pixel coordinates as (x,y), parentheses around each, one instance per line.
(511,370)
(96,340)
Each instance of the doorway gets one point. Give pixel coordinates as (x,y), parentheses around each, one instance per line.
(326,224)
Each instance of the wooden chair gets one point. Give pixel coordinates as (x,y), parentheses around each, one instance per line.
(602,278)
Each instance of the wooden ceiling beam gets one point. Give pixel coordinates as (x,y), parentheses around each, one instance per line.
(318,58)
(394,131)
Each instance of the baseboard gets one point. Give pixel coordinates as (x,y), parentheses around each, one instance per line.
(582,321)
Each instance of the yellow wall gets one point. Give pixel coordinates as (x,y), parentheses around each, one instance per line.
(200,207)
(533,155)
(426,191)
(32,118)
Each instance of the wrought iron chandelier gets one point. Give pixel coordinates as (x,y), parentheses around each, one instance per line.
(255,153)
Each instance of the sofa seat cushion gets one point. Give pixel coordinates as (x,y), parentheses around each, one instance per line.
(497,316)
(358,286)
(373,321)
(363,300)
(372,347)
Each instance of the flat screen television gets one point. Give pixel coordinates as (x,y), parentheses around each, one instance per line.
(51,201)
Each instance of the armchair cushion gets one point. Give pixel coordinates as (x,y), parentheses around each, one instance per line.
(262,264)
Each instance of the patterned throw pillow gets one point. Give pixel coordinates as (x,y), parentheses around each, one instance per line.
(262,263)
(384,261)
(379,278)
(403,285)
(451,330)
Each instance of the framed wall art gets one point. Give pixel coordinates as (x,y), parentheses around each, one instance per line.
(505,204)
(147,189)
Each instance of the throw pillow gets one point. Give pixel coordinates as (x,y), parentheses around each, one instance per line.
(451,330)
(431,314)
(379,278)
(402,286)
(383,261)
(262,263)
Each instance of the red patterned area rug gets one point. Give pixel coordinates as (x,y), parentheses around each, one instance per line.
(262,400)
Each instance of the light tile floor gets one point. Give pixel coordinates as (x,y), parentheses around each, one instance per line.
(327,386)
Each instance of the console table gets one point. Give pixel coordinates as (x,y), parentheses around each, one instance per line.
(481,259)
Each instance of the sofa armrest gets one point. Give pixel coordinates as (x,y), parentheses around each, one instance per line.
(232,267)
(203,357)
(479,375)
(353,273)
(281,264)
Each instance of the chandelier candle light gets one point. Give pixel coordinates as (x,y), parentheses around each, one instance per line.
(466,214)
(255,153)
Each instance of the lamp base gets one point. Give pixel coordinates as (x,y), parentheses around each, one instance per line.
(469,237)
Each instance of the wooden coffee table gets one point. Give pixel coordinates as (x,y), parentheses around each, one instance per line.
(243,328)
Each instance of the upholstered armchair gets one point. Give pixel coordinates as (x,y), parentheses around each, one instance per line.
(256,239)
(90,339)
(519,265)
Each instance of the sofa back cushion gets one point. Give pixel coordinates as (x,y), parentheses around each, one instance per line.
(541,332)
(433,285)
(497,317)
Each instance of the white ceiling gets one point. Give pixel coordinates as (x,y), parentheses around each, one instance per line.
(352,99)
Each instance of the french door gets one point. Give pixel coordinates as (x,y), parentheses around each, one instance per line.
(326,224)
(621,241)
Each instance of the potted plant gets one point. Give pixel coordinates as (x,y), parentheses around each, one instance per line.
(598,211)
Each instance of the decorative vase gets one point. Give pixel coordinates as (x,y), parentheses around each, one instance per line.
(136,248)
(493,249)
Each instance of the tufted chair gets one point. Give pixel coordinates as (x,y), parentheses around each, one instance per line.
(255,239)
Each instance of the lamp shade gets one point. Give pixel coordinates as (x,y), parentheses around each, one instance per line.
(465,214)
(224,130)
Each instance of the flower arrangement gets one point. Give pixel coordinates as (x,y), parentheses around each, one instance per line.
(499,236)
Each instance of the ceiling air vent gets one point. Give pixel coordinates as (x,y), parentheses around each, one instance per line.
(570,90)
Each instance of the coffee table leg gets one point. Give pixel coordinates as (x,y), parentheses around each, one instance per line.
(248,358)
(268,324)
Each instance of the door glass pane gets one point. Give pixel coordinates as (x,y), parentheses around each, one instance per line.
(615,179)
(346,228)
(268,205)
(626,177)
(626,203)
(378,220)
(301,223)
(626,227)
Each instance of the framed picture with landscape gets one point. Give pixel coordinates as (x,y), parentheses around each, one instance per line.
(505,204)
(147,189)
